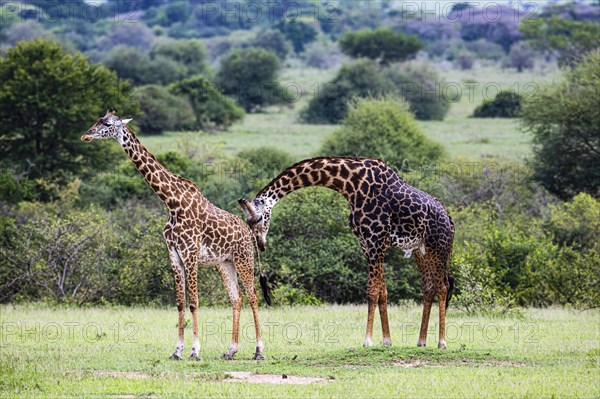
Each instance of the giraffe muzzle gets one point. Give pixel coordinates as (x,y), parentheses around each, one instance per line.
(87,138)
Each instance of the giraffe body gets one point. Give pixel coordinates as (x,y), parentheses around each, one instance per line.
(385,212)
(196,233)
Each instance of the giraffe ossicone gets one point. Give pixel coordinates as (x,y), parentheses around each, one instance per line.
(385,212)
(197,232)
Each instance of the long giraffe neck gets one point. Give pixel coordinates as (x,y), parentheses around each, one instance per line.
(343,175)
(166,185)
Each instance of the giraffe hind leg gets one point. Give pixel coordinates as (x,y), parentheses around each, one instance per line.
(229,276)
(245,268)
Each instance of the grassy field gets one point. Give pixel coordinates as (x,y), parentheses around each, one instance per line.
(123,353)
(462,136)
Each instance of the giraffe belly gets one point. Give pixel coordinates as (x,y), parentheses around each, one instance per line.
(408,244)
(207,256)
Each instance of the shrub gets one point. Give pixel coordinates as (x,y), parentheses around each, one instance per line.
(420,86)
(322,55)
(382,128)
(383,45)
(250,76)
(465,60)
(191,54)
(506,104)
(211,107)
(416,82)
(565,124)
(163,111)
(360,79)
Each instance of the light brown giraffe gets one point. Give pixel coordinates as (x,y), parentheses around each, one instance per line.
(385,211)
(197,232)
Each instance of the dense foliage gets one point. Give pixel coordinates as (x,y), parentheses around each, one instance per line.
(49,98)
(417,83)
(506,104)
(564,120)
(211,108)
(383,45)
(250,76)
(382,128)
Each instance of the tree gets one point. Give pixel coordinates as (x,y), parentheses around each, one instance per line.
(382,44)
(382,128)
(163,111)
(570,39)
(521,56)
(49,98)
(189,53)
(211,107)
(564,120)
(297,32)
(330,105)
(272,40)
(250,76)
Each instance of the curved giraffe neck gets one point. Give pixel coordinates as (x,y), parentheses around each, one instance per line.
(165,184)
(343,175)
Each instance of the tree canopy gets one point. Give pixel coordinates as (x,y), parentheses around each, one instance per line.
(382,44)
(564,120)
(49,98)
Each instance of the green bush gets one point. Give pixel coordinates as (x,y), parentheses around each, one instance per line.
(416,82)
(191,54)
(421,86)
(564,121)
(577,222)
(213,110)
(250,76)
(383,128)
(361,79)
(506,104)
(163,111)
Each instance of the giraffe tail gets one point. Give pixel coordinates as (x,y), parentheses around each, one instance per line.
(450,290)
(264,283)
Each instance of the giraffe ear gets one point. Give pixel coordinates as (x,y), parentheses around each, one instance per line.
(126,121)
(248,210)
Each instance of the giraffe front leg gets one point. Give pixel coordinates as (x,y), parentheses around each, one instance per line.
(373,291)
(193,296)
(427,302)
(179,276)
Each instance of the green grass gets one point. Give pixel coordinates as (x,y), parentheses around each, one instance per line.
(461,135)
(123,352)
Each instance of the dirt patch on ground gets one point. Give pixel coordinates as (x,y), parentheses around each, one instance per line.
(245,376)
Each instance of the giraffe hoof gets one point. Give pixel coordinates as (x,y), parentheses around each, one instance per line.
(442,345)
(227,356)
(387,342)
(194,356)
(421,344)
(175,356)
(258,356)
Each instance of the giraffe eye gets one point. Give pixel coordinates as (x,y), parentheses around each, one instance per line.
(107,124)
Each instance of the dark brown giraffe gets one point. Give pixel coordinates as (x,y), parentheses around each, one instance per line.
(385,211)
(197,232)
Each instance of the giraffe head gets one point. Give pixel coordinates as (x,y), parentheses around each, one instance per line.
(110,126)
(258,217)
